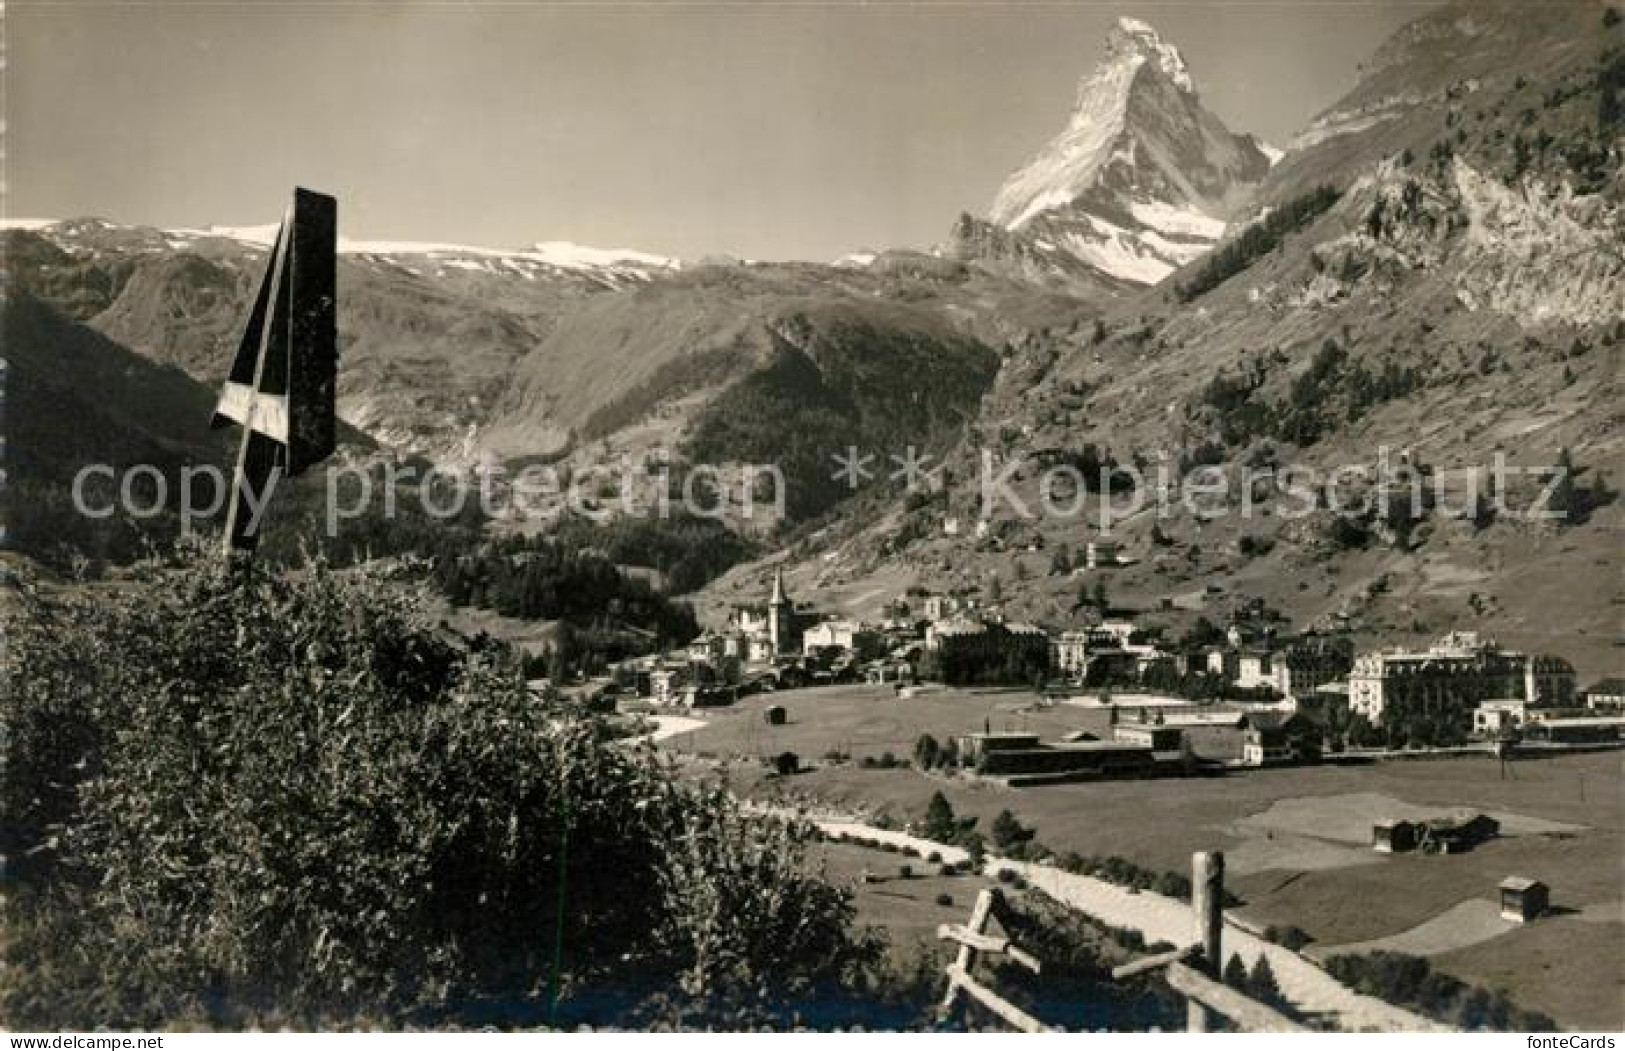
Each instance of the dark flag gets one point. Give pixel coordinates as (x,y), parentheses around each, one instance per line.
(281,385)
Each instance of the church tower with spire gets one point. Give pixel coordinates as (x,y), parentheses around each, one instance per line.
(779,612)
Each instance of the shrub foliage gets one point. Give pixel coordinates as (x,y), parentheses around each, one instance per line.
(233,797)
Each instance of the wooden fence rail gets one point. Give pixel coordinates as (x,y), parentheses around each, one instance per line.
(1192,971)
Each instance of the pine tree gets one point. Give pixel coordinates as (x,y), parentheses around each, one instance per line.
(1564,501)
(974,848)
(1262,984)
(1007,831)
(1235,973)
(939,820)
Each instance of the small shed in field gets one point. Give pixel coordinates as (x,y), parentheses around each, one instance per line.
(775,715)
(1458,833)
(1393,837)
(1523,899)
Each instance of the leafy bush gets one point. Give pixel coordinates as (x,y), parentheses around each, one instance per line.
(945,900)
(1346,533)
(1411,981)
(232,796)
(1293,938)
(1125,873)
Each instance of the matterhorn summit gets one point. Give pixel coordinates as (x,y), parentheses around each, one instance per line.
(1142,180)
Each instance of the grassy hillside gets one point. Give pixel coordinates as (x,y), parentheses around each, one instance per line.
(75,398)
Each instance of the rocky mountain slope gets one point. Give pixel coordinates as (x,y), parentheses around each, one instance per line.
(1141,181)
(427,333)
(1438,281)
(574,357)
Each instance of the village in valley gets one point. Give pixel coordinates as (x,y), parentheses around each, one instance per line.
(1288,697)
(1456,800)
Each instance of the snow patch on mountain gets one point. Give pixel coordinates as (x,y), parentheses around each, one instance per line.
(1169,219)
(571,255)
(417,257)
(1118,253)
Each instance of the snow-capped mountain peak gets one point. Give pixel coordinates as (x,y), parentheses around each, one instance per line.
(1142,179)
(1133,39)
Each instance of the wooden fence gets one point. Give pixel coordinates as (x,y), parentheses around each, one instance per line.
(1192,971)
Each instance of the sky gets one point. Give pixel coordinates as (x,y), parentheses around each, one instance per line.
(765,131)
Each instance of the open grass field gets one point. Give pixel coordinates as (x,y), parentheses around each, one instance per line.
(870,720)
(1297,856)
(907,907)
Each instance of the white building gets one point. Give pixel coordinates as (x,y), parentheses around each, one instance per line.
(850,635)
(1462,670)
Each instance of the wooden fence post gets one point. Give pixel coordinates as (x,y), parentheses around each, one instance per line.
(973,941)
(1207,908)
(1197,971)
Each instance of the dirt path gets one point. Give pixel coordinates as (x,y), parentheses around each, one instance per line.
(834,827)
(1158,918)
(1465,923)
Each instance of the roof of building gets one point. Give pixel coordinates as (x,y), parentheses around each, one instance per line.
(839,624)
(1520,883)
(959,626)
(1272,720)
(1577,721)
(1461,820)
(1101,746)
